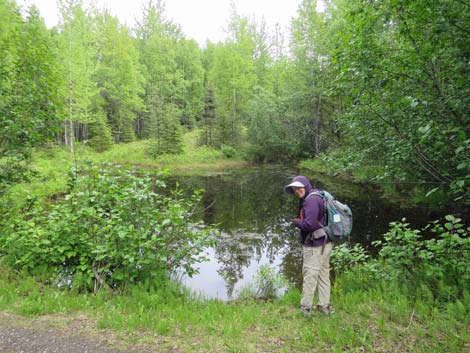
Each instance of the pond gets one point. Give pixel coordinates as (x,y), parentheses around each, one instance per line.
(252,211)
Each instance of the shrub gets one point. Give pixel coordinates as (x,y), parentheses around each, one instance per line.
(431,268)
(228,151)
(113,227)
(345,256)
(441,264)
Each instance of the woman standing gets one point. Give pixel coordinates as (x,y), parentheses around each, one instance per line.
(316,247)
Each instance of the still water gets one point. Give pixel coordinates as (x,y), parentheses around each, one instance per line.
(252,211)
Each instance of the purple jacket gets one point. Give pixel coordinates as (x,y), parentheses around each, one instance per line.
(311,213)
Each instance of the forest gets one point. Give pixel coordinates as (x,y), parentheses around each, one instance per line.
(380,87)
(376,92)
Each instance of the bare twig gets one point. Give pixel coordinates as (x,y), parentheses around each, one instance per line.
(411,319)
(194,211)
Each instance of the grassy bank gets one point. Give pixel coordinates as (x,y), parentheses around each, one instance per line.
(51,165)
(160,317)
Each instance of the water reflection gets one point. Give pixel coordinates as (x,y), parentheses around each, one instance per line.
(252,212)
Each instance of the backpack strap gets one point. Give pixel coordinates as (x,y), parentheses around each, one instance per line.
(321,194)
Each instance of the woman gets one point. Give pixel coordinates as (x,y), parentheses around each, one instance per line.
(316,247)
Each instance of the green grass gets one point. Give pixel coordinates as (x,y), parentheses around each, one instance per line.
(378,319)
(192,157)
(51,164)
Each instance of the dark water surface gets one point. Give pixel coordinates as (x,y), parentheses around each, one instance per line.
(252,211)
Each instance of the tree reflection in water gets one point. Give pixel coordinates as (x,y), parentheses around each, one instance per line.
(252,211)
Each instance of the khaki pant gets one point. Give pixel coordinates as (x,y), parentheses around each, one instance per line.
(316,274)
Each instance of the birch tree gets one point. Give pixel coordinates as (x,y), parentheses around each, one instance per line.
(118,76)
(76,47)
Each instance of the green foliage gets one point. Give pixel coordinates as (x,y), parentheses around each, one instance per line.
(232,75)
(312,105)
(113,227)
(401,70)
(336,162)
(429,265)
(440,264)
(190,94)
(290,113)
(387,82)
(209,119)
(160,308)
(118,76)
(272,136)
(345,256)
(228,151)
(174,81)
(77,52)
(101,137)
(29,84)
(167,137)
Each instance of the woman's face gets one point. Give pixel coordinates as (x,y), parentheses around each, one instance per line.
(299,192)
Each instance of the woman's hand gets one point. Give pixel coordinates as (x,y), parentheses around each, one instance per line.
(296,221)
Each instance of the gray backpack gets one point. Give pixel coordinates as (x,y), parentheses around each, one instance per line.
(338,218)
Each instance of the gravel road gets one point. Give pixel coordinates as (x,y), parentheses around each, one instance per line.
(23,340)
(71,334)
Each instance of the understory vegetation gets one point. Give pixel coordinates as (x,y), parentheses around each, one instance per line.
(50,166)
(113,226)
(414,297)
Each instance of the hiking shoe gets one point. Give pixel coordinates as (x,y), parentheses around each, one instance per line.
(306,311)
(327,310)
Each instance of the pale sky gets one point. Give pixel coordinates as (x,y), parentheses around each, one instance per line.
(199,19)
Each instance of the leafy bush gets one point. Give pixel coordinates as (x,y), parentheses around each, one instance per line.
(14,168)
(228,151)
(345,256)
(113,227)
(435,267)
(440,264)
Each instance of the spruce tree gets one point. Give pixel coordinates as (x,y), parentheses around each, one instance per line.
(101,138)
(208,120)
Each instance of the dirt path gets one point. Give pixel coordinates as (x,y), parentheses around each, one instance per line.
(55,334)
(23,340)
